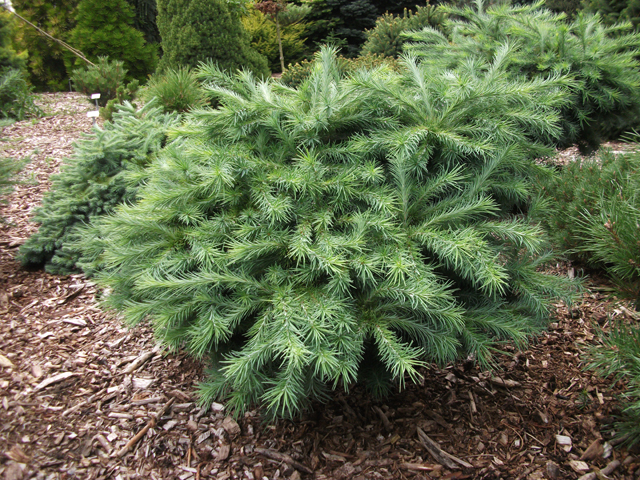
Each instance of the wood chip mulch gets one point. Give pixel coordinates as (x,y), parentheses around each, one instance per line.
(81,396)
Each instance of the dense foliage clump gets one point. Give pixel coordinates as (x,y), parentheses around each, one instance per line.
(176,90)
(104,77)
(264,37)
(351,229)
(16,98)
(93,182)
(99,34)
(294,75)
(593,214)
(9,57)
(195,31)
(386,37)
(605,97)
(45,63)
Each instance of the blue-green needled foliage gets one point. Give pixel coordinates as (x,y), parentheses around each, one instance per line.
(100,175)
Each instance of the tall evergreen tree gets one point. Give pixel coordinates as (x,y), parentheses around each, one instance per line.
(195,31)
(348,230)
(47,70)
(98,34)
(614,11)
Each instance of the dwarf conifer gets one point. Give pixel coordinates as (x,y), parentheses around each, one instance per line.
(195,31)
(352,229)
(93,182)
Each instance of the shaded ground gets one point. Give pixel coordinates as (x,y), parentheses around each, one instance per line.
(76,387)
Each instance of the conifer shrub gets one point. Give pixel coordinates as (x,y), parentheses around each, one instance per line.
(296,74)
(264,38)
(605,98)
(104,78)
(195,31)
(176,90)
(16,97)
(617,357)
(9,57)
(105,170)
(594,215)
(9,168)
(45,61)
(352,229)
(105,28)
(386,37)
(124,93)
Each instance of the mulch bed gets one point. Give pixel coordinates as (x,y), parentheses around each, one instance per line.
(81,396)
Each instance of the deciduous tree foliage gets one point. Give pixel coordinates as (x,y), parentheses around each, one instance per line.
(194,31)
(352,229)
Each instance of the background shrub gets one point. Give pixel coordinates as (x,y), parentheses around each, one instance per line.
(176,90)
(98,34)
(9,57)
(45,64)
(264,40)
(194,31)
(386,37)
(594,215)
(104,78)
(16,99)
(93,182)
(294,75)
(348,230)
(533,41)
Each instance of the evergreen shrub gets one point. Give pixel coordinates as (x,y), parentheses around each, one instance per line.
(195,31)
(9,57)
(104,78)
(605,98)
(104,171)
(45,62)
(296,74)
(176,90)
(264,38)
(618,357)
(386,37)
(9,167)
(105,28)
(16,97)
(594,215)
(352,229)
(124,93)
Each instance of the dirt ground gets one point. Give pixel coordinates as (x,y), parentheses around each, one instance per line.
(83,397)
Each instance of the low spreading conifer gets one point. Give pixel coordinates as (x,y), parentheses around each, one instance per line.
(93,181)
(352,229)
